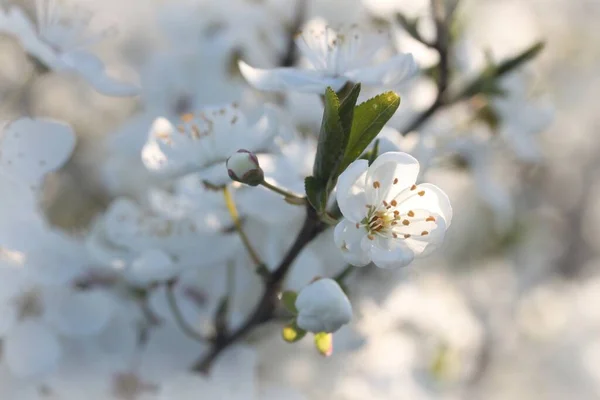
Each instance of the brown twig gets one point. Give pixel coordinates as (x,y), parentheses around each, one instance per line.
(289,57)
(441,18)
(265,309)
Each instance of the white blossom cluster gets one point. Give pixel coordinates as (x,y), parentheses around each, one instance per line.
(193,185)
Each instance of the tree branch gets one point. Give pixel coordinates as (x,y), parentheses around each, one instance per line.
(441,18)
(265,309)
(289,57)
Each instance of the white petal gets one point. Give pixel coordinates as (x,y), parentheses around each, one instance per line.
(93,70)
(151,266)
(433,200)
(350,195)
(31,148)
(79,313)
(15,22)
(392,72)
(386,169)
(31,349)
(424,245)
(348,239)
(157,155)
(281,79)
(389,253)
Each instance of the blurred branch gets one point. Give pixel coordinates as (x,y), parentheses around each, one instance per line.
(266,307)
(485,82)
(442,17)
(289,57)
(230,203)
(179,318)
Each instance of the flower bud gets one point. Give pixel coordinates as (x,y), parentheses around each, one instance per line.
(243,167)
(323,307)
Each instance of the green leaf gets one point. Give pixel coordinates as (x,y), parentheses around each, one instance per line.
(324,343)
(369,118)
(332,140)
(487,81)
(347,108)
(288,299)
(315,193)
(488,116)
(291,333)
(410,26)
(520,59)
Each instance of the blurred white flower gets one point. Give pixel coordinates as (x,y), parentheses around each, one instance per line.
(35,315)
(479,155)
(323,307)
(336,58)
(59,40)
(522,118)
(151,266)
(204,139)
(32,148)
(388,219)
(256,30)
(127,230)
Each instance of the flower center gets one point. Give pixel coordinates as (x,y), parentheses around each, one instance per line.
(388,221)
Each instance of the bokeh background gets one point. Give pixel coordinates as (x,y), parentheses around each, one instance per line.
(507,310)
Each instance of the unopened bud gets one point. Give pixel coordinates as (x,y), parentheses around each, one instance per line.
(323,307)
(243,167)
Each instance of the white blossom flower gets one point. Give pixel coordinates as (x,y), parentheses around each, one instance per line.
(58,41)
(323,307)
(35,314)
(204,139)
(388,219)
(336,58)
(127,230)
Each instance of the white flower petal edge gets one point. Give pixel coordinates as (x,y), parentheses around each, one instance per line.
(393,72)
(351,190)
(32,148)
(388,219)
(93,70)
(58,41)
(280,79)
(349,239)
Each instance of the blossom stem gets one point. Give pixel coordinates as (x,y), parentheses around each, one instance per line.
(343,274)
(233,212)
(288,196)
(179,318)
